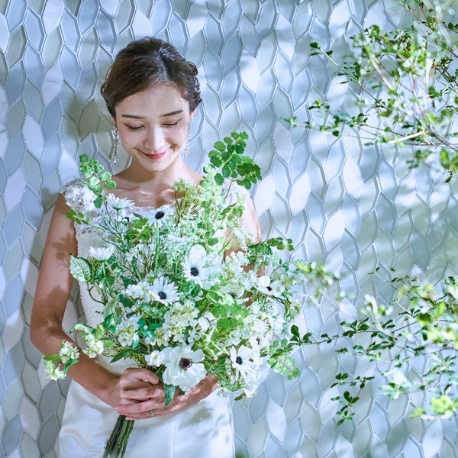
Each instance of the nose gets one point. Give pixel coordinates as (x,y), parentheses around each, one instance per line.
(154,139)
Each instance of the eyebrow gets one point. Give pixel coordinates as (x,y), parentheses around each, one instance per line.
(142,117)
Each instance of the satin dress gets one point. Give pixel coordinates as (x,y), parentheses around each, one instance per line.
(204,430)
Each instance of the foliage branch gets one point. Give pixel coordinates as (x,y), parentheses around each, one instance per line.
(406,94)
(405,86)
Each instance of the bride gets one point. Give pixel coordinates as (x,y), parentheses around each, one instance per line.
(151,93)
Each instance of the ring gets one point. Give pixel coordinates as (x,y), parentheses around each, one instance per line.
(151,412)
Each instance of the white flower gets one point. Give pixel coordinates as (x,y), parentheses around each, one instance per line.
(163,291)
(53,372)
(159,215)
(127,331)
(68,352)
(233,287)
(183,367)
(94,347)
(156,358)
(245,361)
(193,266)
(203,323)
(264,284)
(271,289)
(118,203)
(101,254)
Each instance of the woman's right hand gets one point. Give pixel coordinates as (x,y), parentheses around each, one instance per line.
(145,387)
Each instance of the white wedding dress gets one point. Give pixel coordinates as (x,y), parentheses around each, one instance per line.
(204,430)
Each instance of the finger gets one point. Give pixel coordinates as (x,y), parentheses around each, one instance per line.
(145,375)
(140,409)
(144,394)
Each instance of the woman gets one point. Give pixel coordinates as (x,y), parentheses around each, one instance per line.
(151,92)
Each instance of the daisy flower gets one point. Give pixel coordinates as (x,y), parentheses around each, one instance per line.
(193,266)
(163,291)
(117,203)
(159,215)
(245,361)
(101,254)
(271,289)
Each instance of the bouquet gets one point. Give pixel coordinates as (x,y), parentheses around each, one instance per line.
(186,289)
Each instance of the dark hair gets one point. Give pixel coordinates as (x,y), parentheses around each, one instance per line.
(143,64)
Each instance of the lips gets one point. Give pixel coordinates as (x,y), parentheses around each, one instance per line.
(154,157)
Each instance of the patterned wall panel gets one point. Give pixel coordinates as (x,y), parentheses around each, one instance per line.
(350,206)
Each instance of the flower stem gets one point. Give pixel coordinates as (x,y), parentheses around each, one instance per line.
(117,442)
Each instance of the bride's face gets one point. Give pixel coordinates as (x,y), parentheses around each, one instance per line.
(153,126)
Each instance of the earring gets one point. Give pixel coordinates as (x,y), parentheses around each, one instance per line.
(186,149)
(114,159)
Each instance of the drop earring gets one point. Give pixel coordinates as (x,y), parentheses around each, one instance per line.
(186,149)
(114,158)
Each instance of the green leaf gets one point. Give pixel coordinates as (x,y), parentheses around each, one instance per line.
(80,269)
(54,357)
(107,343)
(122,354)
(125,301)
(219,179)
(220,146)
(98,202)
(169,391)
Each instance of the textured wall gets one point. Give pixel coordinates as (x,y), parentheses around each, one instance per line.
(350,206)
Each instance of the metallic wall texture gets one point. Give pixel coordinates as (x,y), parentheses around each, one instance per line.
(350,206)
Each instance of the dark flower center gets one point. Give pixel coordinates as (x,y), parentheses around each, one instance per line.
(269,288)
(239,360)
(162,295)
(185,363)
(194,271)
(159,215)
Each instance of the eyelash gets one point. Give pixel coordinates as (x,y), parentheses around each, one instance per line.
(166,125)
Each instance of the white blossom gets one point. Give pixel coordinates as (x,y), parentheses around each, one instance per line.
(127,331)
(118,203)
(183,367)
(159,215)
(194,265)
(94,347)
(164,291)
(101,254)
(53,372)
(68,351)
(155,358)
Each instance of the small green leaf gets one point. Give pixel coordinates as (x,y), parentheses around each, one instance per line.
(122,354)
(169,391)
(220,146)
(219,179)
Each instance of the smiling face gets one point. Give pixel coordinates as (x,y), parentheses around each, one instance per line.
(153,127)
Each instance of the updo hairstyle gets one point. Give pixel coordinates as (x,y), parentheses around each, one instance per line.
(144,64)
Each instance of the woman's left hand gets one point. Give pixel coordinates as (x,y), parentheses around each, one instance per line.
(139,405)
